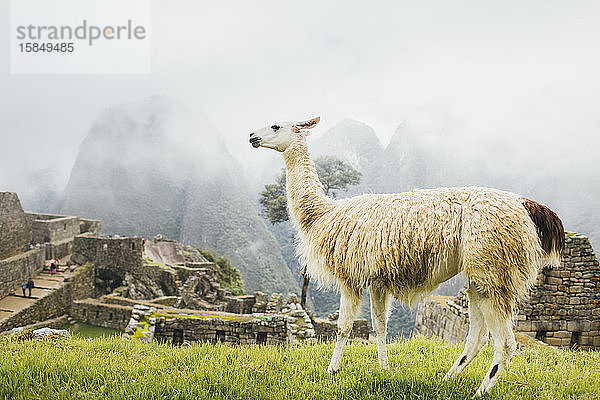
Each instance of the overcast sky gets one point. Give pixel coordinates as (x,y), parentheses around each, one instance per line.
(524,73)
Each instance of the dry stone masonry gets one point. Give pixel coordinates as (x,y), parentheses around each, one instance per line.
(185,326)
(562,310)
(53,228)
(153,290)
(15,229)
(56,232)
(27,240)
(169,292)
(284,322)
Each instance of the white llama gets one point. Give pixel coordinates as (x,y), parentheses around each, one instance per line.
(404,245)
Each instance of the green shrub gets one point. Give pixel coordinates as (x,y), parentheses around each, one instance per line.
(229,276)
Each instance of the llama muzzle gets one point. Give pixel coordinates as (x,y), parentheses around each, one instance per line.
(255,142)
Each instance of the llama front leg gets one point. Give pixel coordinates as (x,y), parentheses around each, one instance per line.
(348,308)
(476,338)
(380,302)
(504,347)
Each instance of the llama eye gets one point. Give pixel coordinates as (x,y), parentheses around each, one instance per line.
(275,127)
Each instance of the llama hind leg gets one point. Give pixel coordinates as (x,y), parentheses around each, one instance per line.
(504,346)
(380,302)
(476,339)
(348,307)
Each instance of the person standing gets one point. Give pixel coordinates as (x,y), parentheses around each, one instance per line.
(24,287)
(30,285)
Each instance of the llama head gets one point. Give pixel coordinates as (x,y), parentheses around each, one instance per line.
(279,136)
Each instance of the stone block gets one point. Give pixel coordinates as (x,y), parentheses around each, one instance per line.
(562,334)
(523,326)
(551,280)
(552,341)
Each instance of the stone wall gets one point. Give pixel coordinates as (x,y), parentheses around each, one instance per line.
(185,326)
(91,226)
(144,282)
(14,269)
(284,322)
(54,323)
(442,317)
(53,228)
(124,301)
(15,229)
(56,303)
(202,291)
(326,329)
(113,258)
(563,308)
(98,313)
(115,253)
(58,249)
(269,330)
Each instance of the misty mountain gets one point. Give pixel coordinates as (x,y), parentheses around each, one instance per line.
(157,166)
(357,144)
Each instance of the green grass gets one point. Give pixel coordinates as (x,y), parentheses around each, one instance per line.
(109,368)
(83,330)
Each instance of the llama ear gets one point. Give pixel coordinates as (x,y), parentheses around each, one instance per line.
(311,123)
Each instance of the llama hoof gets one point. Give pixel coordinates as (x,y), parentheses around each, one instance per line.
(449,375)
(481,391)
(331,371)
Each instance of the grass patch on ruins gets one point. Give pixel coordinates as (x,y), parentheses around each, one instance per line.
(83,330)
(109,368)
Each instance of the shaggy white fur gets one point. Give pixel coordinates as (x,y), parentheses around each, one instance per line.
(404,245)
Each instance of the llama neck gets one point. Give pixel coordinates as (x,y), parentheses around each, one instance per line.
(306,198)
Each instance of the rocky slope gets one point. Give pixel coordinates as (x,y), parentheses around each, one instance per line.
(157,166)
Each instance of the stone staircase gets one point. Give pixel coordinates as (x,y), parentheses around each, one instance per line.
(45,283)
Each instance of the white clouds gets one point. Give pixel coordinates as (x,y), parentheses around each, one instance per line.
(507,70)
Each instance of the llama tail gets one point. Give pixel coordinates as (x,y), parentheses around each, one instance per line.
(549,229)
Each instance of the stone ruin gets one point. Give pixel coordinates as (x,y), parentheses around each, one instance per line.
(152,290)
(563,308)
(145,297)
(28,240)
(274,322)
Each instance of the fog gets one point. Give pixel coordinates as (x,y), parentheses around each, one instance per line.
(516,81)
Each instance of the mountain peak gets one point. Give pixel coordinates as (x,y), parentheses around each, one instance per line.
(350,140)
(157,165)
(353,131)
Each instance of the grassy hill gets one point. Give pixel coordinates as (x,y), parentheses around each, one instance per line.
(109,368)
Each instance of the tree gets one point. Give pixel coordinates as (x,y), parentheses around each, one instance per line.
(335,176)
(273,201)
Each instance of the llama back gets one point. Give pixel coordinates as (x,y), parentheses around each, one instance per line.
(413,241)
(401,241)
